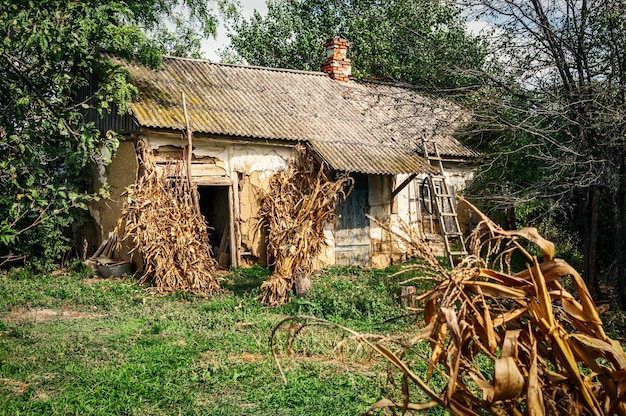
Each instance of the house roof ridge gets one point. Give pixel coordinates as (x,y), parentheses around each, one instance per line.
(256,67)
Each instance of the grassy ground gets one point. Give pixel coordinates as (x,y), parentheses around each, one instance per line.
(74,344)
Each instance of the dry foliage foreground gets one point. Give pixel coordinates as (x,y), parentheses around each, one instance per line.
(547,347)
(159,216)
(301,200)
(549,351)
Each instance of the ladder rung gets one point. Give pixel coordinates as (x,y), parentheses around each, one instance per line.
(443,195)
(448,214)
(458,253)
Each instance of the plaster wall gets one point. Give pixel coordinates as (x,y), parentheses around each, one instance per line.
(380,208)
(121,173)
(402,217)
(326,258)
(457,176)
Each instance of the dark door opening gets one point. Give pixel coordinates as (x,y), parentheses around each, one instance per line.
(215,207)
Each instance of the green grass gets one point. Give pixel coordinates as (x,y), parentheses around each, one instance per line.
(71,344)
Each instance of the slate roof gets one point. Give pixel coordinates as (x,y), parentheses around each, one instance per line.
(355,126)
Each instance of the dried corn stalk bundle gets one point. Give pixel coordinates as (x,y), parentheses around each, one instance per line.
(549,352)
(159,216)
(299,202)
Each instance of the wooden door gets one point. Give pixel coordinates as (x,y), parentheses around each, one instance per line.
(352,240)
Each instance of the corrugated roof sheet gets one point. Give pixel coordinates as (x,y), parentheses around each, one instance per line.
(356,126)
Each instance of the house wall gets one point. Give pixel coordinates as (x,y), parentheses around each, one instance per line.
(403,216)
(382,243)
(247,168)
(121,173)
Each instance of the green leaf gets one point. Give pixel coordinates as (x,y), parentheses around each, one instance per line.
(52,71)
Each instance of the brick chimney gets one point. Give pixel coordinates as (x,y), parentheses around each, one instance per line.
(337,64)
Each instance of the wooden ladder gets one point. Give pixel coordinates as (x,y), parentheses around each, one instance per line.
(444,205)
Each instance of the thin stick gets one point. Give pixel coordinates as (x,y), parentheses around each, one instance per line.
(192,191)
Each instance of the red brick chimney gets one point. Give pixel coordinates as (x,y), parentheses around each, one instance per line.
(337,64)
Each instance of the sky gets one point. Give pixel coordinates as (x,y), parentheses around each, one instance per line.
(211,47)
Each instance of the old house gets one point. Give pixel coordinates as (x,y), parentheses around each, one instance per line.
(245,122)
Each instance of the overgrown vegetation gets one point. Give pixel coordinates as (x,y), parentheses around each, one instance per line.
(70,343)
(74,343)
(53,74)
(422,42)
(550,114)
(548,348)
(500,341)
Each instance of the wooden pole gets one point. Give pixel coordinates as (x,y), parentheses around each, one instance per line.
(192,190)
(403,185)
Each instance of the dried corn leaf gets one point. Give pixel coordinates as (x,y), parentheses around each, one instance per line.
(509,316)
(508,379)
(486,387)
(534,393)
(531,234)
(509,345)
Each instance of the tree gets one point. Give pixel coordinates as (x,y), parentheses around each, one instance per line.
(421,42)
(50,52)
(557,103)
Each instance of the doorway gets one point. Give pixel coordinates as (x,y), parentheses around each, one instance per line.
(216,208)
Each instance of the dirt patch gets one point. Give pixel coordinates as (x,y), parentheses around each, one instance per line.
(247,357)
(22,315)
(14,387)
